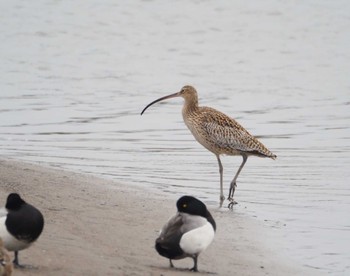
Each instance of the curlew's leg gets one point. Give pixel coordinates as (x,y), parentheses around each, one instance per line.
(233,183)
(221,169)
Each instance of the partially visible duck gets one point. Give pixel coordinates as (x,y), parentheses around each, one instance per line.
(20,226)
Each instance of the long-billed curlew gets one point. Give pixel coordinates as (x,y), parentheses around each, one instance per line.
(218,133)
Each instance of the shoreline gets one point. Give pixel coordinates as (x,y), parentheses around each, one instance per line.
(95,226)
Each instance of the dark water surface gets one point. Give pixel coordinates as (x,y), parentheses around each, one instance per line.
(75,76)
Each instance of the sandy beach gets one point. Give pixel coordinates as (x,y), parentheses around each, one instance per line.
(98,227)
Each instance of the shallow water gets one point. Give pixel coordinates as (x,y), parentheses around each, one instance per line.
(75,76)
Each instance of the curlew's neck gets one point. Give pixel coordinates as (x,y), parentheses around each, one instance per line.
(190,105)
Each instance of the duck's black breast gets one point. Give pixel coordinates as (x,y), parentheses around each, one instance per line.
(25,223)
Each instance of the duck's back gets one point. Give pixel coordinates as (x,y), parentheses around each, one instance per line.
(168,242)
(26,223)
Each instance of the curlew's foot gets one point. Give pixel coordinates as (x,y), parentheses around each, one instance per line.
(232,202)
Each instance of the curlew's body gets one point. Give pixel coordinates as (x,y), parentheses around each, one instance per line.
(218,133)
(221,134)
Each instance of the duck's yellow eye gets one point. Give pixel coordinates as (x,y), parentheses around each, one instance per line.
(184,205)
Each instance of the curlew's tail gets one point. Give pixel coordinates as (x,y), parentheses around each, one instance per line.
(260,153)
(269,154)
(257,148)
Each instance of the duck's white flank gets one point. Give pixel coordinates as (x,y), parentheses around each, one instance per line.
(3,212)
(198,239)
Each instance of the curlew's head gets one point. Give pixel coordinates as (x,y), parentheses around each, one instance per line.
(187,92)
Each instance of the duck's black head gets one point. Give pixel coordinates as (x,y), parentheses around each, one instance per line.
(14,201)
(192,206)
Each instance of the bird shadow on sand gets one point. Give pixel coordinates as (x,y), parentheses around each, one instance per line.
(182,269)
(26,267)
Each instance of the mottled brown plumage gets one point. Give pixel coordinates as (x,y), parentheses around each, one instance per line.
(218,133)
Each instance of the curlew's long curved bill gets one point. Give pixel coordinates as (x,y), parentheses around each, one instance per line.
(177,94)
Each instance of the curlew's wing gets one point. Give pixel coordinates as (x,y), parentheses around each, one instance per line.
(228,135)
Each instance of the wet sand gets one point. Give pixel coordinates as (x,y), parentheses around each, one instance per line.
(99,227)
